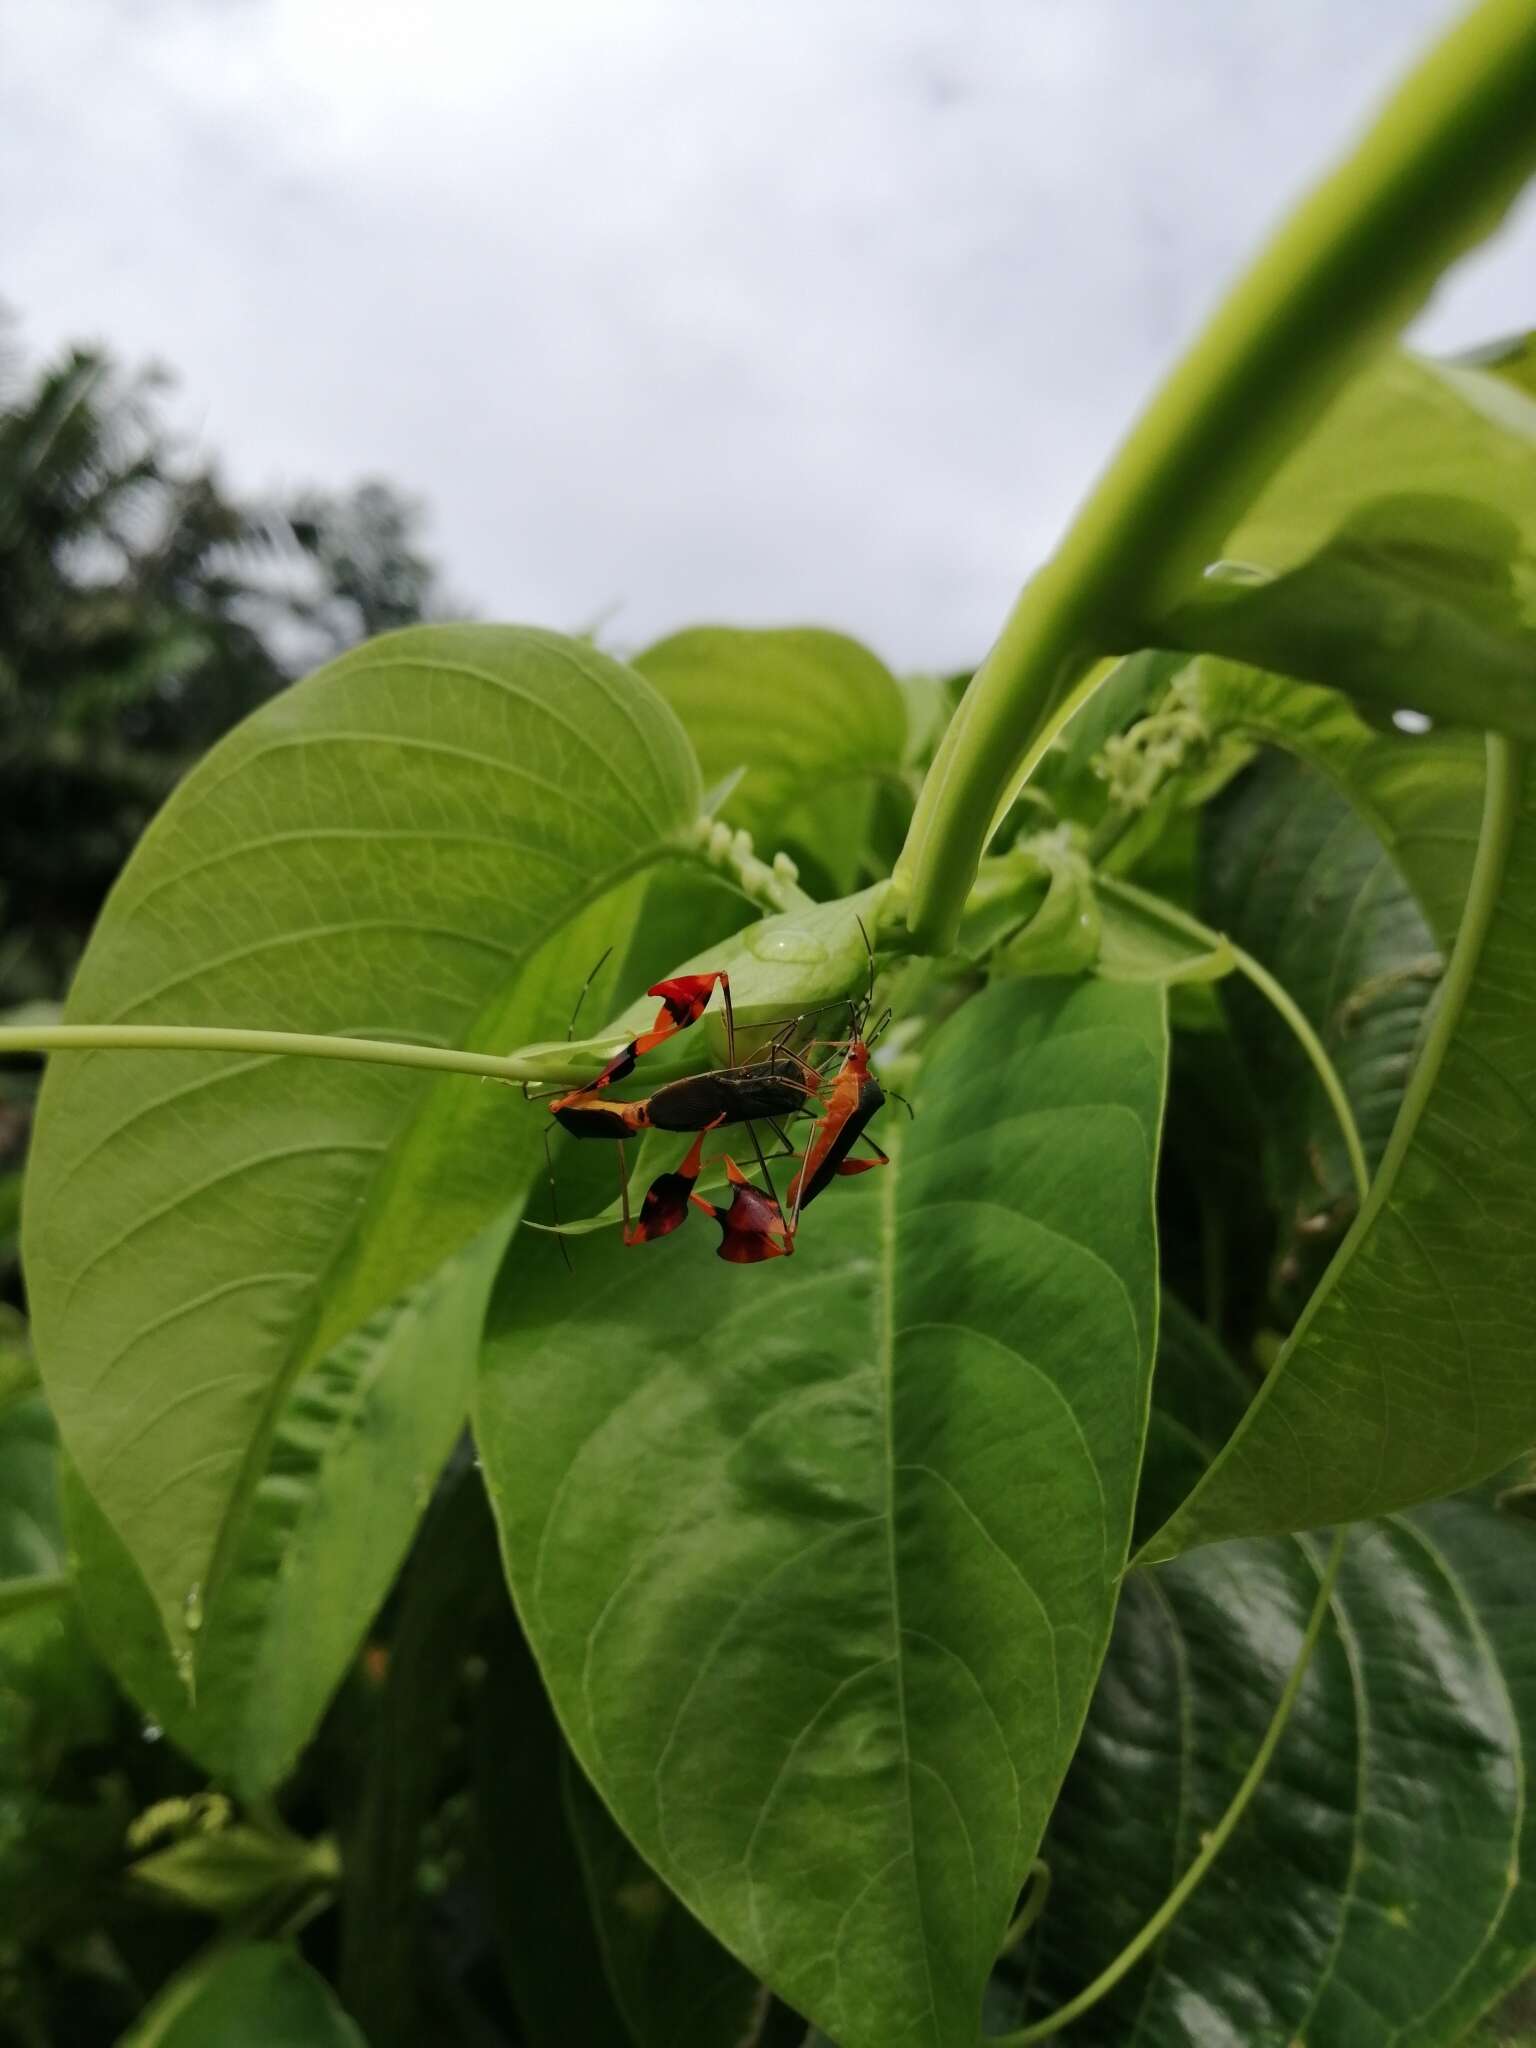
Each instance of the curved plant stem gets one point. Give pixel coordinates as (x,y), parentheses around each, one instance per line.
(1032,1908)
(1443,160)
(1276,993)
(193,1038)
(1326,1072)
(1214,1842)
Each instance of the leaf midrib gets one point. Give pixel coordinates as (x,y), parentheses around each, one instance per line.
(886,1353)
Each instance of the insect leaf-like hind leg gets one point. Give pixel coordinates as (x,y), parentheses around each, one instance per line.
(789,1241)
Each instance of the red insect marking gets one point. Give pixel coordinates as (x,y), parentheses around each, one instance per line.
(753,1228)
(665,1207)
(684,1000)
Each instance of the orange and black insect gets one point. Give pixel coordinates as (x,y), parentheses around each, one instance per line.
(684,999)
(768,1089)
(754,1227)
(856,1097)
(853,1101)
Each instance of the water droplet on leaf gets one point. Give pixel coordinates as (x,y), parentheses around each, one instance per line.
(785,942)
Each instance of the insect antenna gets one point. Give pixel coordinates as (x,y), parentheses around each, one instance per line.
(869,1000)
(570,1029)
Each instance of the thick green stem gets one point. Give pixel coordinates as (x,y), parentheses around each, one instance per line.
(1435,173)
(192,1038)
(1214,1842)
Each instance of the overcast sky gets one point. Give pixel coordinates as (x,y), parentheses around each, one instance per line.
(820,310)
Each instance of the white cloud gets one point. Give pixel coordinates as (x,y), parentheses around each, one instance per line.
(796,312)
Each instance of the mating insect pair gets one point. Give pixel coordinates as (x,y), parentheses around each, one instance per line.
(773,1087)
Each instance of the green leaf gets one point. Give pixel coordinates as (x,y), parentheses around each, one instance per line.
(1394,554)
(451,1591)
(677,1987)
(18,1368)
(550,1954)
(253,1996)
(1421,794)
(1295,875)
(817,722)
(1141,938)
(818,1558)
(1198,1398)
(1381,1888)
(359,1443)
(234,1870)
(413,843)
(1408,1376)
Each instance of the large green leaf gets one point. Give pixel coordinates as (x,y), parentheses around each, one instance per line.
(815,720)
(1420,793)
(1381,1888)
(1394,554)
(676,1986)
(1295,875)
(818,1558)
(359,1443)
(250,1996)
(414,842)
(1409,1374)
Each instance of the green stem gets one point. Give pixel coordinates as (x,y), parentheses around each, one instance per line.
(1356,259)
(1317,1053)
(1274,992)
(38,1589)
(1214,1842)
(1048,734)
(1032,1908)
(194,1038)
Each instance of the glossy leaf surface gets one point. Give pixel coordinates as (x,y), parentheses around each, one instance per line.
(815,720)
(412,843)
(1408,1375)
(1381,1888)
(1421,794)
(818,1557)
(1294,874)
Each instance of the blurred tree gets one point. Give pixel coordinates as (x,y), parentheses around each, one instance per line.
(143,610)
